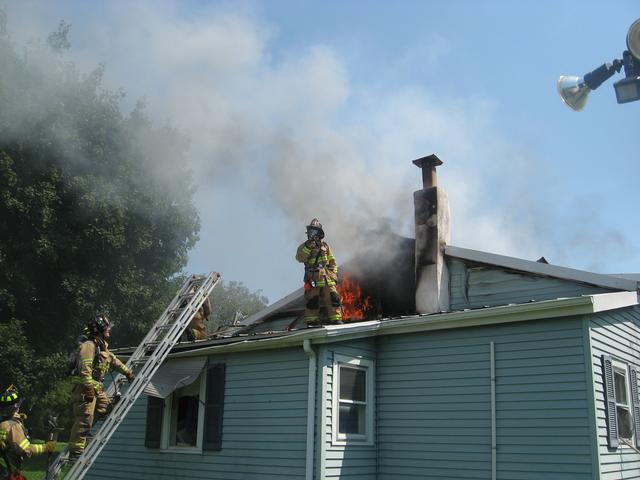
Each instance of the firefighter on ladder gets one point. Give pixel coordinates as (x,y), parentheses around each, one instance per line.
(320,277)
(15,445)
(93,361)
(197,329)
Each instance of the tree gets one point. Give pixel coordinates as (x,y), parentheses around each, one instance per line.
(227,299)
(96,207)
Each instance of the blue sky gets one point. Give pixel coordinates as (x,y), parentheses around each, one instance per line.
(298,109)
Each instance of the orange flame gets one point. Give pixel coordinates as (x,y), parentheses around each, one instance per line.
(353,305)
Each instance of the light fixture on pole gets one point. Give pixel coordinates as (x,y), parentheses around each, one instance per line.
(574,91)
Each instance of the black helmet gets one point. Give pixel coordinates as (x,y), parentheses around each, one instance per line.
(315,229)
(10,401)
(97,325)
(9,397)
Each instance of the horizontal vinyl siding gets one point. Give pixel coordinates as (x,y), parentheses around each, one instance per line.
(617,334)
(477,287)
(264,428)
(351,461)
(434,403)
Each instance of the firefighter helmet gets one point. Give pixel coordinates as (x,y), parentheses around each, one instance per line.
(315,228)
(97,325)
(9,397)
(10,401)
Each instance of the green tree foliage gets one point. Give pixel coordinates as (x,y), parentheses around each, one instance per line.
(232,297)
(96,207)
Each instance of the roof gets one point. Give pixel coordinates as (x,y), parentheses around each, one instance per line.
(295,300)
(558,308)
(282,321)
(617,282)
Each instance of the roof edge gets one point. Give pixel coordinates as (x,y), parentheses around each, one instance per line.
(556,308)
(565,273)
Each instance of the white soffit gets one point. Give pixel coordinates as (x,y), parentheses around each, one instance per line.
(546,269)
(174,374)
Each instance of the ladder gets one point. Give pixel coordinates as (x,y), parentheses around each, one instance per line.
(144,362)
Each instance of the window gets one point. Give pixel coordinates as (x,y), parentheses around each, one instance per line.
(190,418)
(623,408)
(353,400)
(183,416)
(622,402)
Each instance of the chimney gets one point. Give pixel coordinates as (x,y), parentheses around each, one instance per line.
(432,234)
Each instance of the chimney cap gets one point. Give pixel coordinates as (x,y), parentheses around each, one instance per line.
(428,161)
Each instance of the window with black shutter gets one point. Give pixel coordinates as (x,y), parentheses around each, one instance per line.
(214,403)
(622,402)
(153,431)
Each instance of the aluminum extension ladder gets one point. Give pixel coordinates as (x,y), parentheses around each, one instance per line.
(144,362)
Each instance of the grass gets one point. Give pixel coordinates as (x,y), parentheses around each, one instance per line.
(34,468)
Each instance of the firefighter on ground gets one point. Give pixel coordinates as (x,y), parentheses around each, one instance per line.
(14,441)
(320,277)
(93,361)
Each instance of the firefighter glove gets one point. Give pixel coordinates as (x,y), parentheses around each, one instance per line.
(130,376)
(50,447)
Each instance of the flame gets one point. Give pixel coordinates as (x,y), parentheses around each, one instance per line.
(354,307)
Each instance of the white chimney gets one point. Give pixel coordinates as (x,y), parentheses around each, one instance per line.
(432,234)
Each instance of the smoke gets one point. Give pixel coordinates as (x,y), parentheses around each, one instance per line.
(278,137)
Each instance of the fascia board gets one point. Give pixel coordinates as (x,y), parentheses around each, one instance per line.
(292,340)
(555,271)
(562,307)
(610,301)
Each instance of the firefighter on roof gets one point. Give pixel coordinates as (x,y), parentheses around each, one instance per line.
(14,441)
(320,277)
(93,361)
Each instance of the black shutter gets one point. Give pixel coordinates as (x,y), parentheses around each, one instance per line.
(214,403)
(153,431)
(635,402)
(610,401)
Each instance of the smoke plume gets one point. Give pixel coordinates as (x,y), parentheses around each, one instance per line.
(279,137)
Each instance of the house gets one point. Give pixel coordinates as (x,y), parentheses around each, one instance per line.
(492,367)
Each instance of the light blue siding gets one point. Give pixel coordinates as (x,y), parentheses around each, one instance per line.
(352,461)
(617,334)
(480,286)
(434,403)
(264,427)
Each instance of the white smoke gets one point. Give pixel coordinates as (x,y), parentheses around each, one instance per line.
(278,138)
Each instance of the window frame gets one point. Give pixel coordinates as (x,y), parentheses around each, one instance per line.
(368,366)
(619,367)
(167,420)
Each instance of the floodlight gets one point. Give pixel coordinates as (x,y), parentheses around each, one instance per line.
(633,39)
(575,90)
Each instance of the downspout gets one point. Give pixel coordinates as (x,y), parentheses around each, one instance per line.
(311,405)
(493,412)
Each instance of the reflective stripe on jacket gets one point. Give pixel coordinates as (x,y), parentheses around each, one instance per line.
(92,370)
(320,261)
